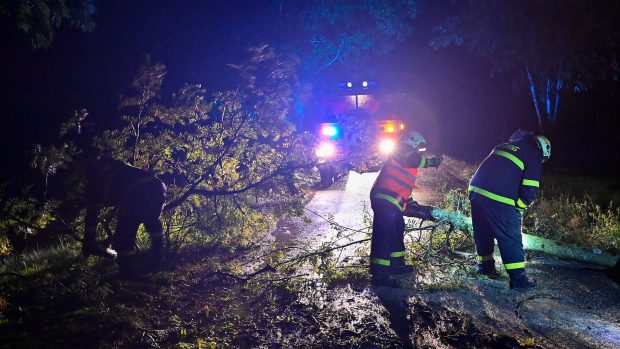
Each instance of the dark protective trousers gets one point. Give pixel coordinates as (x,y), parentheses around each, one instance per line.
(387,246)
(140,206)
(502,223)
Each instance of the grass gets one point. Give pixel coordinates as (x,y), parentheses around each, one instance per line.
(574,209)
(580,222)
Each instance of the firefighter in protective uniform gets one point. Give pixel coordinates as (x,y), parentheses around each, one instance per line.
(388,197)
(503,186)
(139,198)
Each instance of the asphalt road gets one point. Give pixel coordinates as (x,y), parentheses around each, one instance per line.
(574,306)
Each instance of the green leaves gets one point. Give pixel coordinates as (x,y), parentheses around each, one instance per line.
(218,153)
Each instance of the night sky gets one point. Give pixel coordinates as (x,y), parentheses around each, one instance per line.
(196,39)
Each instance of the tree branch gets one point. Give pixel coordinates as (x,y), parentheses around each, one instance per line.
(10,273)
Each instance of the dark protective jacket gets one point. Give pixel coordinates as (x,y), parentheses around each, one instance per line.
(509,175)
(397,178)
(112,182)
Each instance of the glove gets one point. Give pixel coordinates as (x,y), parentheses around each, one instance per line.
(434,161)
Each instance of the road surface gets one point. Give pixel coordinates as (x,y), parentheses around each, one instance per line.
(575,305)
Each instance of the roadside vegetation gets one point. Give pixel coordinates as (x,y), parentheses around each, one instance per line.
(573,209)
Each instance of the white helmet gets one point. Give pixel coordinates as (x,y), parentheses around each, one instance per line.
(414,139)
(545,145)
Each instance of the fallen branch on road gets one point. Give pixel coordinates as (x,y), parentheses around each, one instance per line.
(529,298)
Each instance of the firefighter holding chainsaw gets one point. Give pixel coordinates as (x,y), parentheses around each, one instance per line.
(388,198)
(503,186)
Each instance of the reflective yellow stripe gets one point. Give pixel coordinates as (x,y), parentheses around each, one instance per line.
(422,163)
(531,183)
(492,196)
(397,254)
(388,198)
(485,258)
(510,157)
(511,266)
(380,261)
(521,204)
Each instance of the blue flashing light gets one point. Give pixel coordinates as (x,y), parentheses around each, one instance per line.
(330,130)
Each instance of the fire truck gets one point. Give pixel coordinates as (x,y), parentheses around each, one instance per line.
(359,132)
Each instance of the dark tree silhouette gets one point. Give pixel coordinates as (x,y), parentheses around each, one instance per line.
(555,45)
(40,19)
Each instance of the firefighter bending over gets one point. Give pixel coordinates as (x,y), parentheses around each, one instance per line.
(139,198)
(503,186)
(388,198)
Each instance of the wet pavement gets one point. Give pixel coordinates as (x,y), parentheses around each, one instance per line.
(574,306)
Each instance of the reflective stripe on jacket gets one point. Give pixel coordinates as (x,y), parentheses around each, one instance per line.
(395,181)
(509,175)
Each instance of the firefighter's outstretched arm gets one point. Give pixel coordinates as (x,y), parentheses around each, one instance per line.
(530,183)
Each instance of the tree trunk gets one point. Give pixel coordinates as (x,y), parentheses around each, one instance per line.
(532,242)
(545,93)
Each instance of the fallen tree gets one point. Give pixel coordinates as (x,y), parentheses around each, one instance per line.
(458,221)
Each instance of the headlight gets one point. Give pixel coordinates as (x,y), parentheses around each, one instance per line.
(386,146)
(326,150)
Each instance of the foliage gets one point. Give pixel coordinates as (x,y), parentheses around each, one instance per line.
(567,219)
(225,158)
(21,217)
(5,246)
(577,209)
(555,44)
(349,31)
(40,19)
(457,200)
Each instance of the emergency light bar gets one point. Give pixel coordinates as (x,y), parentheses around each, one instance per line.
(330,131)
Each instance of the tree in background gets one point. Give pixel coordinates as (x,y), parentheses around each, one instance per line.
(40,19)
(345,31)
(554,45)
(330,34)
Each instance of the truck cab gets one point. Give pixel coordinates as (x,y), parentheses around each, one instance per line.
(354,129)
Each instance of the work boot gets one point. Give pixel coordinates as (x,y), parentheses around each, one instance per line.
(487,268)
(128,266)
(519,280)
(93,248)
(128,261)
(383,280)
(398,266)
